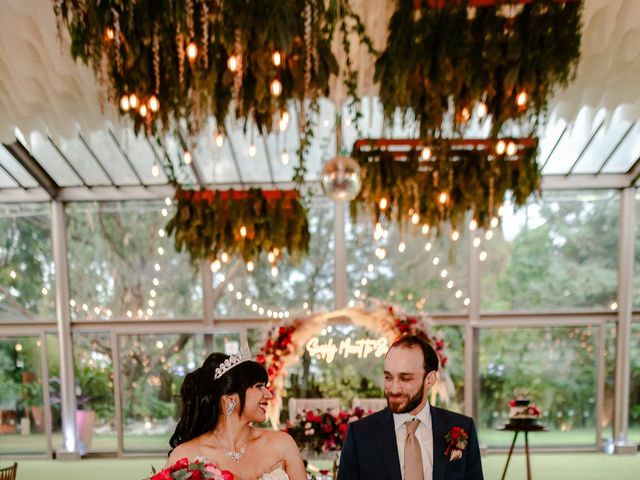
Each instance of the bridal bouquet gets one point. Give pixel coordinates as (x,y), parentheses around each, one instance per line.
(198,469)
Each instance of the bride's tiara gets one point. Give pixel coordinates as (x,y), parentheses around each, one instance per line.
(244,355)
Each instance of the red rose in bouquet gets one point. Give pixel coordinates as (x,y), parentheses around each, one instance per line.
(198,469)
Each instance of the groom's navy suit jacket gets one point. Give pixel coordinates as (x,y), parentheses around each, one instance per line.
(370,451)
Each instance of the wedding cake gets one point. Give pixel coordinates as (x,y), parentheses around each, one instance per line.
(523,412)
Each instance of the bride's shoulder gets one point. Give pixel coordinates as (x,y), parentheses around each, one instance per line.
(188,449)
(274,437)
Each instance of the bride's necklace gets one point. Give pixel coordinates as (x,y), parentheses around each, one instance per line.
(234,455)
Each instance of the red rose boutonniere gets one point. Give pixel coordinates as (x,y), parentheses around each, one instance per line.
(457,439)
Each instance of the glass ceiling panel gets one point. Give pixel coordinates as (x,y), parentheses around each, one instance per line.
(6,181)
(603,144)
(52,162)
(17,170)
(111,158)
(216,163)
(573,142)
(83,162)
(174,151)
(141,156)
(627,154)
(548,139)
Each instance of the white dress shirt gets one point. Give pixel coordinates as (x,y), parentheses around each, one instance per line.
(423,434)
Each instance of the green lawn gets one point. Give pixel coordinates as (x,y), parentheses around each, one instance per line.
(36,442)
(591,466)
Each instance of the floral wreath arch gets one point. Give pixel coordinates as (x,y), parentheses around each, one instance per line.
(285,345)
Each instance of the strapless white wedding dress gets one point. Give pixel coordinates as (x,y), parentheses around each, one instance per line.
(277,474)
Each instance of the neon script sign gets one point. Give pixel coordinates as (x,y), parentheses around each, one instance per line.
(360,348)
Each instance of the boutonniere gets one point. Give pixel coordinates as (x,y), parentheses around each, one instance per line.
(457,439)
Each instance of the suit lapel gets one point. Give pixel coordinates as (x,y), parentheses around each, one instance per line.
(439,427)
(385,436)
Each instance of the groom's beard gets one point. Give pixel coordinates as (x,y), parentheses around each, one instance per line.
(409,405)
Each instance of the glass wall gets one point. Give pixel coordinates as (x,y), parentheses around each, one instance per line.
(122,265)
(27,285)
(554,367)
(411,267)
(289,285)
(22,414)
(152,369)
(555,254)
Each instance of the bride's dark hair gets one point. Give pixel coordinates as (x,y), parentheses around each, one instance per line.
(201,395)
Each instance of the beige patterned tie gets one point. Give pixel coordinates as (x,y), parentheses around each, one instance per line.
(412,453)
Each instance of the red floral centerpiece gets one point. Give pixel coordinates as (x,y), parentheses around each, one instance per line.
(321,432)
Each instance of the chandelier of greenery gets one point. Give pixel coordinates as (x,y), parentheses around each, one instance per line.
(423,186)
(503,58)
(216,225)
(169,62)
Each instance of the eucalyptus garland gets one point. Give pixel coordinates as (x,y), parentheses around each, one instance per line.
(459,176)
(242,223)
(444,58)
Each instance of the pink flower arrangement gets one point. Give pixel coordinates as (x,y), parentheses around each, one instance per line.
(198,469)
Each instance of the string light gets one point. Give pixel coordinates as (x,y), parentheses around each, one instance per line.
(192,51)
(425,229)
(482,256)
(488,234)
(143,111)
(415,218)
(168,201)
(243,231)
(215,265)
(124,103)
(186,157)
(521,98)
(511,149)
(428,246)
(250,266)
(482,109)
(133,101)
(436,260)
(154,104)
(232,63)
(160,251)
(426,153)
(402,247)
(383,203)
(476,242)
(442,198)
(219,138)
(252,150)
(276,87)
(455,235)
(13,274)
(473,224)
(284,157)
(155,169)
(109,34)
(444,273)
(274,271)
(494,222)
(500,147)
(44,291)
(277,58)
(161,233)
(224,256)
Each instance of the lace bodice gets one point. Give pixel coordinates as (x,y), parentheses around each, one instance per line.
(277,474)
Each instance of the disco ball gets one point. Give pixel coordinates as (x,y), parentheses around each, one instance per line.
(341,178)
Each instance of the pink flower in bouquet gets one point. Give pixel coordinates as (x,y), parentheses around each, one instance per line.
(199,469)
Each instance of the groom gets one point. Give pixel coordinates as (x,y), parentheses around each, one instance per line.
(411,440)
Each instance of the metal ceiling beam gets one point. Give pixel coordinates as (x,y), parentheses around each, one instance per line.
(130,192)
(234,157)
(544,164)
(579,181)
(634,173)
(33,167)
(66,160)
(93,155)
(12,177)
(126,157)
(195,168)
(586,146)
(268,157)
(615,149)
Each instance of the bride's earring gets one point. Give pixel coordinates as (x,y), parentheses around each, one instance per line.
(231,406)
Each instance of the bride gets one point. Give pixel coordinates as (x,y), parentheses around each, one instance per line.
(220,402)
